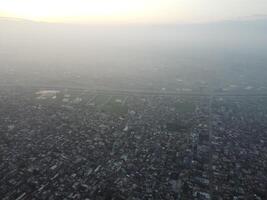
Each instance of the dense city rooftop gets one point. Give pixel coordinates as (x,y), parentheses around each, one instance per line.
(76,144)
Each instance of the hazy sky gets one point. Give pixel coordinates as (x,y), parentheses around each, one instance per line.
(131,11)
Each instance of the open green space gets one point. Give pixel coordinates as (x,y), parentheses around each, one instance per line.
(100,99)
(115,106)
(185,107)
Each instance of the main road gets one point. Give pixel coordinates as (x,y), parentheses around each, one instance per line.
(133,92)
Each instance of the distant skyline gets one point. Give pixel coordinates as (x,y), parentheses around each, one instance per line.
(131,11)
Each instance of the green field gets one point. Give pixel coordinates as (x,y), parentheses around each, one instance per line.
(100,99)
(115,107)
(185,107)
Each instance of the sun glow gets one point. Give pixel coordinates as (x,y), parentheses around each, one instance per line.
(74,10)
(127,11)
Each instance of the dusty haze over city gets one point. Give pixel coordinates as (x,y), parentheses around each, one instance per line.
(135,56)
(133,100)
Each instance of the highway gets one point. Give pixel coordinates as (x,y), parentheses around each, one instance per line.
(136,92)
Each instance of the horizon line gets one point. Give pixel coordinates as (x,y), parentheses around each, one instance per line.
(243,18)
